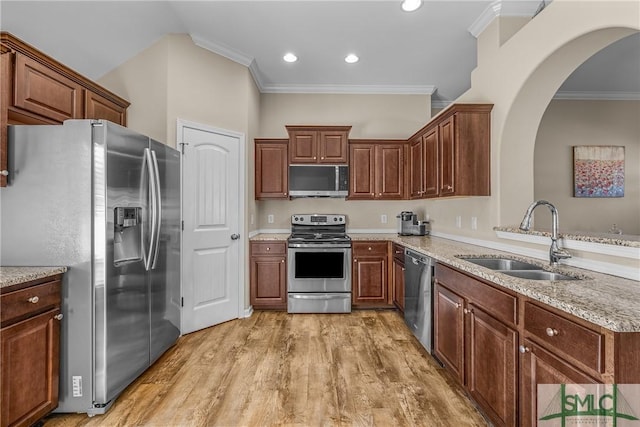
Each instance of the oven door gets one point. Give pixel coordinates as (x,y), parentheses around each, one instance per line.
(319,269)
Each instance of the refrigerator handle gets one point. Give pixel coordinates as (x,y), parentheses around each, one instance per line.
(152,207)
(158,209)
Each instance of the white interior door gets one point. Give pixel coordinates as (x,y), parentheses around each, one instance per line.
(212,211)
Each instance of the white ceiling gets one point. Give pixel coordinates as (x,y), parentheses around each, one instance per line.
(430,49)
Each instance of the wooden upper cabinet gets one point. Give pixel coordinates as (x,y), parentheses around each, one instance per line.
(272,170)
(40,90)
(416,168)
(99,107)
(318,144)
(455,153)
(377,169)
(36,89)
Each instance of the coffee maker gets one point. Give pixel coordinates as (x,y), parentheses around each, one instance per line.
(409,225)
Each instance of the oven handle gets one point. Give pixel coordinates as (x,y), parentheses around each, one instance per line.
(317,246)
(323,297)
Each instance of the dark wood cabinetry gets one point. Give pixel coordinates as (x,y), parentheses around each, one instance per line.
(377,169)
(397,275)
(318,144)
(475,337)
(450,156)
(272,169)
(268,270)
(30,350)
(370,274)
(36,89)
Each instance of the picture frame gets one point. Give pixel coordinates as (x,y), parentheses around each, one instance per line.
(598,171)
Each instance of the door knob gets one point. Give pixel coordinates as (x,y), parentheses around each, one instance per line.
(235,236)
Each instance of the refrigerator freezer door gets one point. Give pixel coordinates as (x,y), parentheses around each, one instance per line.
(164,276)
(121,293)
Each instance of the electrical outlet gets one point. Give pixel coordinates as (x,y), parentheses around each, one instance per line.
(383,218)
(270,219)
(459,221)
(474,223)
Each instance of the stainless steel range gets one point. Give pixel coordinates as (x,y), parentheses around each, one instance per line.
(319,264)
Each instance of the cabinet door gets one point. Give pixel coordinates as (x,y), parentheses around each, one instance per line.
(448,153)
(370,281)
(398,283)
(30,369)
(390,172)
(332,147)
(448,330)
(6,81)
(42,91)
(99,107)
(538,366)
(303,146)
(272,170)
(491,358)
(361,172)
(416,169)
(268,282)
(431,169)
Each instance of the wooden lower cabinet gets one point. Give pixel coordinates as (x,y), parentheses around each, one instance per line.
(29,351)
(539,366)
(370,286)
(479,350)
(268,270)
(492,361)
(397,276)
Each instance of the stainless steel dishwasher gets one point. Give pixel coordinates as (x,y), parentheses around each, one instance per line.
(418,296)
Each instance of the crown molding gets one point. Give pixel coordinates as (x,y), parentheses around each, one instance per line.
(352,89)
(598,95)
(498,8)
(223,50)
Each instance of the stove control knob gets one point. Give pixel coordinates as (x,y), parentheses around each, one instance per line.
(335,219)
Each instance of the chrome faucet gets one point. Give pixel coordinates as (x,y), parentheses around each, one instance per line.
(555,253)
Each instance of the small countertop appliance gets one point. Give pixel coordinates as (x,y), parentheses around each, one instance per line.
(409,225)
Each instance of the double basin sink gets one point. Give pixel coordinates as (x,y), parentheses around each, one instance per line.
(515,268)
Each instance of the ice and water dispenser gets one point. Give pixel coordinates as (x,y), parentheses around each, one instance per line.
(127,236)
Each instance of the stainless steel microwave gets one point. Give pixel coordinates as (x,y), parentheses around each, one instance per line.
(318,180)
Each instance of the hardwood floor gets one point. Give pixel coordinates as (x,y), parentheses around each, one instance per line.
(274,368)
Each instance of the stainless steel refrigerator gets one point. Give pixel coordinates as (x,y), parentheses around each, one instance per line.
(105,202)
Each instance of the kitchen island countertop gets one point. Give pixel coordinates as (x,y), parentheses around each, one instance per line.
(608,301)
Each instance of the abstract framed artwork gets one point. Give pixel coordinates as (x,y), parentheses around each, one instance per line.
(598,171)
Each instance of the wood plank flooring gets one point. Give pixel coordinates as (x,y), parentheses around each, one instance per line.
(274,368)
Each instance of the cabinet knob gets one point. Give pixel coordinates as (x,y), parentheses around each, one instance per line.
(355,260)
(285,194)
(268,249)
(457,305)
(4,172)
(321,158)
(34,300)
(467,311)
(403,269)
(524,349)
(552,332)
(58,316)
(282,261)
(448,187)
(369,247)
(314,157)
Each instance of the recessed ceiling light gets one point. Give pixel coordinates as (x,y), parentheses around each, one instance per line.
(411,5)
(351,58)
(290,57)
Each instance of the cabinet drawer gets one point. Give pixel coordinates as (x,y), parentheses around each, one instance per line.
(19,304)
(499,304)
(369,248)
(572,339)
(268,248)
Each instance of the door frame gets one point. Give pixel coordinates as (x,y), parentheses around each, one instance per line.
(180,125)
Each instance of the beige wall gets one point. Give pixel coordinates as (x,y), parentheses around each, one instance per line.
(569,123)
(143,81)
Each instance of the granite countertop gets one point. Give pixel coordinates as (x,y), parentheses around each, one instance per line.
(10,276)
(628,240)
(609,301)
